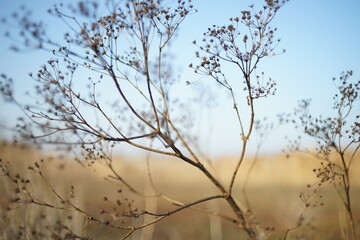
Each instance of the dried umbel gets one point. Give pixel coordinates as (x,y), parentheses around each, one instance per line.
(243,42)
(337,137)
(124,55)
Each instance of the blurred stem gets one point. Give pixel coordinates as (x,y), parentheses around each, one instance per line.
(347,202)
(244,138)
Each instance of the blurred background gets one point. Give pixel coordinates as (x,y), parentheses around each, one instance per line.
(321,39)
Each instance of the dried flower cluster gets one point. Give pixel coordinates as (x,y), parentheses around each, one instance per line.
(125,54)
(243,47)
(337,138)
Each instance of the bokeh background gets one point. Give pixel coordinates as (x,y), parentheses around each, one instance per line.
(321,39)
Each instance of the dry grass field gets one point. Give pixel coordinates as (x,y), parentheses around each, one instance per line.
(273,191)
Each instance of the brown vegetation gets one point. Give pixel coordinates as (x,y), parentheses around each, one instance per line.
(279,196)
(126,99)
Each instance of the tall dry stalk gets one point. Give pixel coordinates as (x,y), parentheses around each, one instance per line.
(338,140)
(125,54)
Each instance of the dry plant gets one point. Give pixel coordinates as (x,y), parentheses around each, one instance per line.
(338,141)
(24,196)
(130,100)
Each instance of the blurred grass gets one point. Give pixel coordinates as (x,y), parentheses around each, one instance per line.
(273,189)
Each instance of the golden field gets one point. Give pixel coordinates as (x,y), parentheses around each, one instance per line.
(273,191)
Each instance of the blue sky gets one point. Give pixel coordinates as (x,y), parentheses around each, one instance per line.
(321,38)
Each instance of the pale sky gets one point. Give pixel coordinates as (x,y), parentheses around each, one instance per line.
(321,38)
